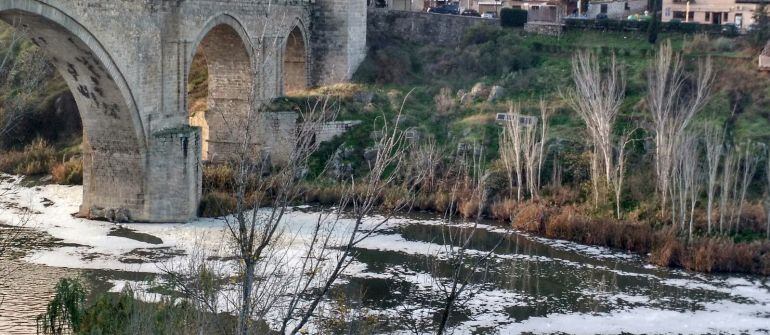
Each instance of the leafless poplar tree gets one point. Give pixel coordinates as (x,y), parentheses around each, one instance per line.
(767,190)
(727,189)
(596,98)
(522,147)
(714,138)
(749,153)
(688,174)
(673,102)
(545,115)
(511,150)
(618,175)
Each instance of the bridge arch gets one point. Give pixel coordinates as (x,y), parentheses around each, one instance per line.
(114,144)
(296,56)
(223,50)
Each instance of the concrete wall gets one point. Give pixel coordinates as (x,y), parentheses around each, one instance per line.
(616,9)
(422,27)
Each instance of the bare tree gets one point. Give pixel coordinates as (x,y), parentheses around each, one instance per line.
(424,164)
(673,102)
(750,159)
(714,138)
(596,98)
(618,175)
(522,149)
(531,149)
(688,173)
(511,150)
(361,199)
(464,268)
(727,189)
(767,190)
(545,115)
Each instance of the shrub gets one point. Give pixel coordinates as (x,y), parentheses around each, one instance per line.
(216,204)
(65,311)
(513,17)
(445,102)
(667,249)
(503,210)
(530,217)
(219,177)
(68,173)
(36,159)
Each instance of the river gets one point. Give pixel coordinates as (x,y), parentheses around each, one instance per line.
(530,284)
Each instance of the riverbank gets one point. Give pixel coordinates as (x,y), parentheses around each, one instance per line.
(535,284)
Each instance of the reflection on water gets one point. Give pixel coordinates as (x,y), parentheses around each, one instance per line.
(542,278)
(25,292)
(527,278)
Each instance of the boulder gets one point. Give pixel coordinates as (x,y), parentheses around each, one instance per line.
(496,93)
(479,91)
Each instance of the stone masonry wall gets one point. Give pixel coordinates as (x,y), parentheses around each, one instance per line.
(339,39)
(421,27)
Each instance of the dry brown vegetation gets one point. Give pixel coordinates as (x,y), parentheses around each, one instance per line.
(665,246)
(68,173)
(35,159)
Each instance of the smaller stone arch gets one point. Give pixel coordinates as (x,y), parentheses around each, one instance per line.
(223,46)
(296,55)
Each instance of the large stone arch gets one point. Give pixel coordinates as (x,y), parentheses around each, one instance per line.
(296,59)
(229,57)
(114,146)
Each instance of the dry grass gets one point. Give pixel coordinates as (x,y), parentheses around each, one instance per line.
(218,177)
(503,210)
(445,102)
(215,204)
(68,173)
(531,217)
(35,159)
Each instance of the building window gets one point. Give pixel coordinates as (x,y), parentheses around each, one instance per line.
(680,15)
(604,8)
(627,7)
(708,16)
(724,16)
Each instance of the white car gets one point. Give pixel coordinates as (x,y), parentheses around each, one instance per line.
(488,15)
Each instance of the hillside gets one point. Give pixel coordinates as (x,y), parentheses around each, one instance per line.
(449,93)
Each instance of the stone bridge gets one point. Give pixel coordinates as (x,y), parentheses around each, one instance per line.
(128,62)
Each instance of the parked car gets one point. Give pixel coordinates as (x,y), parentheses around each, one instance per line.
(445,9)
(601,16)
(470,12)
(489,15)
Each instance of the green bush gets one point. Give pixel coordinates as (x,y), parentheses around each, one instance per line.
(513,17)
(65,311)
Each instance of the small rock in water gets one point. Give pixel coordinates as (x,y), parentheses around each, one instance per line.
(47,202)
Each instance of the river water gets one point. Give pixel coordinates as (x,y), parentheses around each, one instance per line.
(529,284)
